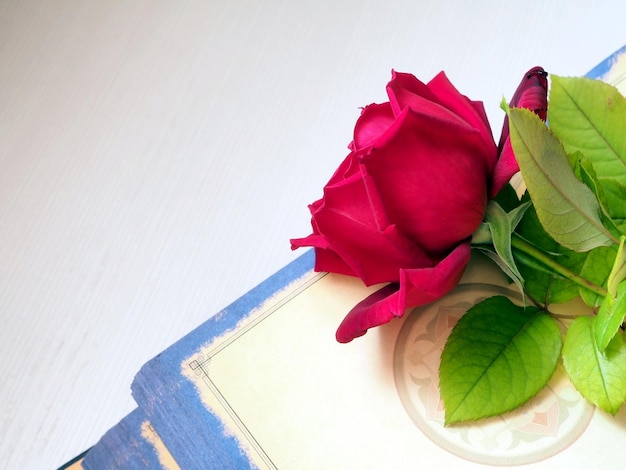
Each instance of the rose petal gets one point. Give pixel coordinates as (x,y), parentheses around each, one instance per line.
(473,112)
(423,286)
(535,99)
(326,260)
(417,287)
(355,227)
(374,310)
(410,169)
(532,92)
(348,167)
(374,121)
(352,235)
(406,91)
(506,167)
(402,90)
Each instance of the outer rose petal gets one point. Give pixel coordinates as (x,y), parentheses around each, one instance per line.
(326,260)
(348,167)
(417,287)
(421,286)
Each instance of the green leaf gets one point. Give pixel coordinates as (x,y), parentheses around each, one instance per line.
(615,194)
(596,268)
(508,198)
(588,116)
(497,357)
(482,235)
(585,171)
(501,225)
(490,253)
(567,208)
(618,272)
(599,377)
(610,317)
(613,308)
(541,282)
(517,214)
(496,231)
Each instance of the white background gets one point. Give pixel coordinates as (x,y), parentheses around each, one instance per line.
(156,156)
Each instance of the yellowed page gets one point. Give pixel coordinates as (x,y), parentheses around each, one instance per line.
(295,398)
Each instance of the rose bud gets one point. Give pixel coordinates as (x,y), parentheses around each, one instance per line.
(532,93)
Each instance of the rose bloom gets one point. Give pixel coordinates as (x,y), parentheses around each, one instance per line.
(401,208)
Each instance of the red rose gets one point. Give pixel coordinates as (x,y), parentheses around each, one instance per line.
(402,206)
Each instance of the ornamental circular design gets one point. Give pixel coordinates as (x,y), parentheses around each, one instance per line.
(541,428)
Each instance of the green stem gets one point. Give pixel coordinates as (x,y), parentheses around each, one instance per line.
(525,247)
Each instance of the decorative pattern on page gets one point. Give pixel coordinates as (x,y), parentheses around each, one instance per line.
(296,399)
(543,427)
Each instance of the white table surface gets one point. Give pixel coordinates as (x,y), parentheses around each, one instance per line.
(155,158)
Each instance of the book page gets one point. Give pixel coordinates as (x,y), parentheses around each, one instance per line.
(295,398)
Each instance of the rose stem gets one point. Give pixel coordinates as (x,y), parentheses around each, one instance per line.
(525,247)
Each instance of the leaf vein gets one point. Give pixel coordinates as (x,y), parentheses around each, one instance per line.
(595,128)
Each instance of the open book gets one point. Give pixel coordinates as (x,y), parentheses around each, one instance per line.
(263,384)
